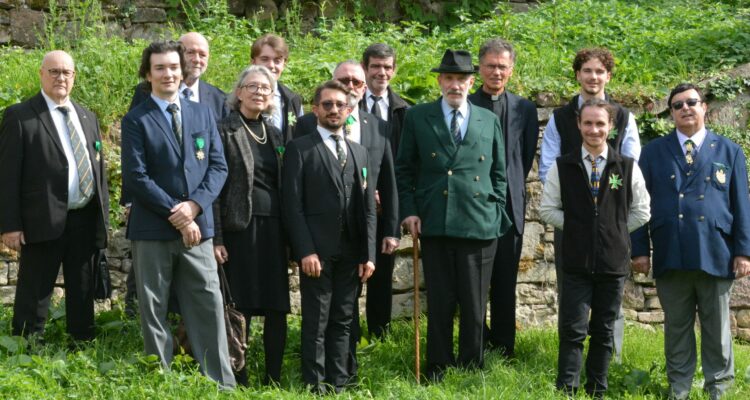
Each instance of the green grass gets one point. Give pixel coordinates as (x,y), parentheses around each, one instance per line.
(114,367)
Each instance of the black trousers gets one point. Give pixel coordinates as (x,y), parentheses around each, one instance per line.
(37,273)
(501,333)
(327,311)
(379,300)
(457,273)
(601,295)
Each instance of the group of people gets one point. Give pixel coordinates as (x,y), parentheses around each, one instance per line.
(248,183)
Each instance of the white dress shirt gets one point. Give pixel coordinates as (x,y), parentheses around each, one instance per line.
(330,142)
(195,96)
(383,104)
(697,138)
(551,211)
(355,129)
(75,198)
(463,116)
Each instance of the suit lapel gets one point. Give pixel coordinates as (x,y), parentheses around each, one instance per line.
(326,159)
(436,121)
(89,132)
(513,131)
(365,130)
(704,154)
(41,109)
(674,147)
(160,120)
(356,157)
(473,128)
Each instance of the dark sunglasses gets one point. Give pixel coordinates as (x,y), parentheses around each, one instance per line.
(677,105)
(328,105)
(355,82)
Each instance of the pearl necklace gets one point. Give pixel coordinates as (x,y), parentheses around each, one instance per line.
(262,139)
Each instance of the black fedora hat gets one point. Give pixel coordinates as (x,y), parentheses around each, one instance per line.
(456,62)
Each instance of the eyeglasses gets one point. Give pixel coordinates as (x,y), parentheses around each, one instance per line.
(677,105)
(255,88)
(356,83)
(328,105)
(66,73)
(500,67)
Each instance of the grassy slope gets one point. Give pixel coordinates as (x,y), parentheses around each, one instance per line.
(113,367)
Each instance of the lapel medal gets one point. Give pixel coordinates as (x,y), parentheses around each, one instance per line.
(364,178)
(98,147)
(721,176)
(199,144)
(615,182)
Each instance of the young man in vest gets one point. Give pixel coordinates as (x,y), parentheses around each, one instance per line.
(596,197)
(593,69)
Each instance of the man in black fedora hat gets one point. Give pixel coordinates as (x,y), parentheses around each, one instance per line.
(451,184)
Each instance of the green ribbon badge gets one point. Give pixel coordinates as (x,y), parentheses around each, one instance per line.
(98,146)
(280,150)
(364,173)
(200,143)
(615,182)
(349,120)
(612,134)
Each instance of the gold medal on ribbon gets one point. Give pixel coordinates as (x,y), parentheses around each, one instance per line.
(200,154)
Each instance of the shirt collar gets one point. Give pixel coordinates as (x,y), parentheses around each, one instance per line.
(464,109)
(193,88)
(52,105)
(697,138)
(585,153)
(163,104)
(325,133)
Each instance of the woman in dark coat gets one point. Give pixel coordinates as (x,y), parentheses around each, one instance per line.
(249,241)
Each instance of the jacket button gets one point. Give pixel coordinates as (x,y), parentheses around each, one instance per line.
(481,158)
(700,197)
(708,178)
(672,177)
(450,172)
(682,195)
(476,178)
(689,173)
(701,218)
(433,155)
(445,193)
(679,216)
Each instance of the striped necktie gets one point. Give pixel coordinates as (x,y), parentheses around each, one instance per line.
(83,165)
(594,177)
(340,152)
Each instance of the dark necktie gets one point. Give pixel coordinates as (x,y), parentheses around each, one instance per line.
(187,93)
(689,151)
(340,153)
(375,110)
(455,130)
(594,177)
(85,177)
(176,123)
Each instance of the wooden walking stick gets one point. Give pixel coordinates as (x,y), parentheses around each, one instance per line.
(415,264)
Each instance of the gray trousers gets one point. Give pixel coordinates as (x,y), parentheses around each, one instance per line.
(619,331)
(161,266)
(681,293)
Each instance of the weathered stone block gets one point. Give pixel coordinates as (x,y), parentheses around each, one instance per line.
(236,7)
(5,36)
(533,235)
(12,273)
(126,265)
(540,272)
(6,4)
(403,304)
(743,318)
(118,278)
(295,302)
(632,296)
(4,17)
(547,100)
(3,273)
(57,294)
(652,303)
(535,294)
(533,198)
(649,291)
(263,9)
(651,317)
(403,274)
(536,315)
(148,15)
(38,4)
(743,333)
(119,245)
(643,278)
(102,305)
(114,263)
(151,3)
(148,32)
(7,295)
(630,315)
(25,24)
(740,294)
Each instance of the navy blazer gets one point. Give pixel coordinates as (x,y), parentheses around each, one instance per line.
(700,214)
(210,96)
(521,139)
(158,174)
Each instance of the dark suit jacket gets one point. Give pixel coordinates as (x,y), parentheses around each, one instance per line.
(396,112)
(521,139)
(34,178)
(292,108)
(234,207)
(311,198)
(456,191)
(210,96)
(375,139)
(700,215)
(159,174)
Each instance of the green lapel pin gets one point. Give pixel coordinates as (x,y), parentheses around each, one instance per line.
(615,182)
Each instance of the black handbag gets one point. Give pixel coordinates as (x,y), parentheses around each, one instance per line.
(102,283)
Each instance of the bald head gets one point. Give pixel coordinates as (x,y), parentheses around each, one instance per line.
(196,56)
(57,75)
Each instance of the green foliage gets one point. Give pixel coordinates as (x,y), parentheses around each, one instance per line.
(727,88)
(113,366)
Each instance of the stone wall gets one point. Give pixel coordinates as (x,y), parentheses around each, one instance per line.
(23,21)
